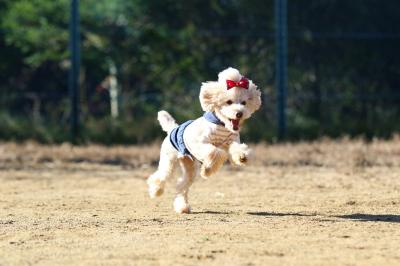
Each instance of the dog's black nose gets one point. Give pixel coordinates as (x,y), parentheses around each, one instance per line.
(239,115)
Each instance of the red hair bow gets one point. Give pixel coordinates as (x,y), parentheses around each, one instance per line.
(243,83)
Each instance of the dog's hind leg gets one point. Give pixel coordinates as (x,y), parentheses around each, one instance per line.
(166,167)
(189,168)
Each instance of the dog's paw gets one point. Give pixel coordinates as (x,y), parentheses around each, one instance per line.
(240,159)
(181,206)
(240,154)
(243,158)
(155,188)
(205,172)
(213,162)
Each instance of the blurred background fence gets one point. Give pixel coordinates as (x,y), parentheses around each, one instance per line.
(138,56)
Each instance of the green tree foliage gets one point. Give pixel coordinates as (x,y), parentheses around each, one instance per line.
(37,28)
(343,64)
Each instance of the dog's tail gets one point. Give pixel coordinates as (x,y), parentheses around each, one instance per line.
(167,122)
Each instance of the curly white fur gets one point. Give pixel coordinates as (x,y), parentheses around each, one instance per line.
(209,143)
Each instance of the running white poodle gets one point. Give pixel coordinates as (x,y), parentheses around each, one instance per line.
(208,141)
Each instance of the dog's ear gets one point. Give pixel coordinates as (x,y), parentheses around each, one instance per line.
(255,98)
(209,95)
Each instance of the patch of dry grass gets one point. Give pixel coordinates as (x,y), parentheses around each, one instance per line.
(343,153)
(31,154)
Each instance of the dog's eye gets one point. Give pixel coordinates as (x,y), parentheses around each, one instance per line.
(229,102)
(243,103)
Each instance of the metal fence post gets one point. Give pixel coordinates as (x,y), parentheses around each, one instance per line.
(73,85)
(281,64)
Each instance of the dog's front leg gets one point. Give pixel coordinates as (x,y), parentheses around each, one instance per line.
(213,160)
(239,153)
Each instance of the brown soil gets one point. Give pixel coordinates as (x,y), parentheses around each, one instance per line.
(322,203)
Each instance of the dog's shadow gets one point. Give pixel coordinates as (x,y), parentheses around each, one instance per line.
(272,214)
(211,212)
(392,218)
(362,217)
(254,213)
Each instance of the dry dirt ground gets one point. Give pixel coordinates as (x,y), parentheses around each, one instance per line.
(321,203)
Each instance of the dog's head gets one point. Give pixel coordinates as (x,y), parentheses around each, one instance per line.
(233,98)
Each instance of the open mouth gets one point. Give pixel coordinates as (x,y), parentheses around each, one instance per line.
(235,123)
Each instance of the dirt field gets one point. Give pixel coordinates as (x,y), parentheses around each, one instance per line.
(323,203)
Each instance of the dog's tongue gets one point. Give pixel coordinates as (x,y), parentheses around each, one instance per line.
(235,124)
